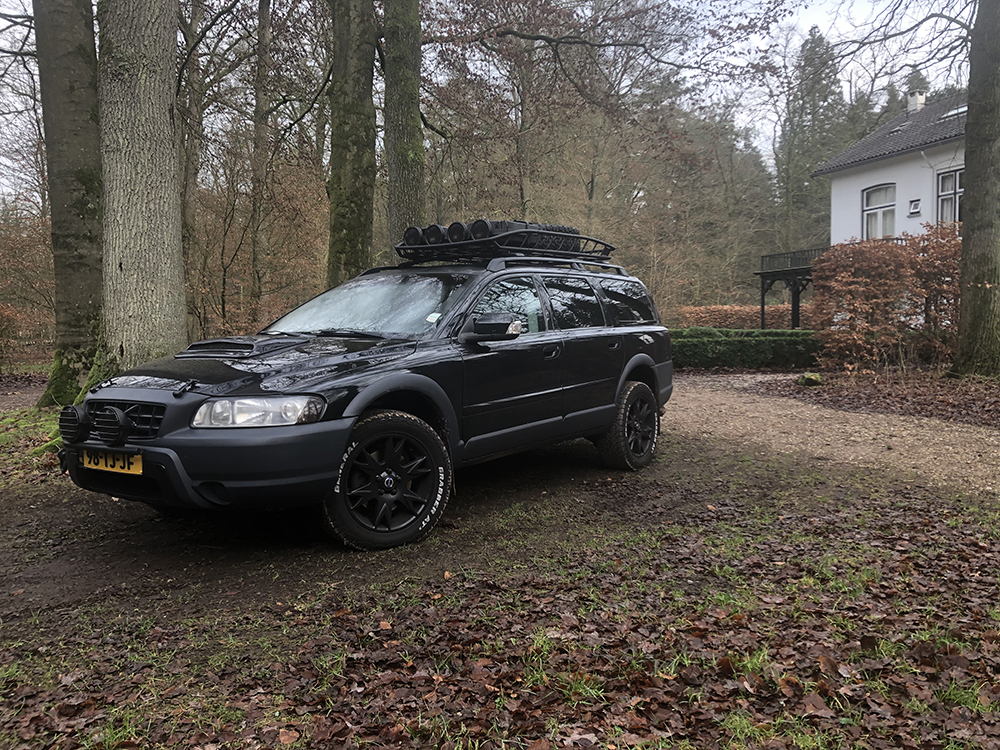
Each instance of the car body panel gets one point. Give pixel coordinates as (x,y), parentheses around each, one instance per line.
(485,399)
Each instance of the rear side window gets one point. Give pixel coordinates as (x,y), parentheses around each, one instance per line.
(574,302)
(629,301)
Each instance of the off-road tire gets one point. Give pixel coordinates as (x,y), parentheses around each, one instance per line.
(393,485)
(631,441)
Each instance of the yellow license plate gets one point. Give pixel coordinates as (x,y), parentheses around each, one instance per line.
(119,462)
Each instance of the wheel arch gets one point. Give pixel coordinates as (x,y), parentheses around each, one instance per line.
(640,368)
(414,394)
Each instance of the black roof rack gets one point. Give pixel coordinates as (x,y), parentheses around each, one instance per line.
(506,239)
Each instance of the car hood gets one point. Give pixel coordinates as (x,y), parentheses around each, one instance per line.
(270,364)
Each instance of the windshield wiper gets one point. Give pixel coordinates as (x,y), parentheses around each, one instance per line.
(347,332)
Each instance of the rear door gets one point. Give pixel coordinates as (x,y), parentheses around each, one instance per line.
(512,389)
(593,356)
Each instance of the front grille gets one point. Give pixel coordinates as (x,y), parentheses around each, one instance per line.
(146,418)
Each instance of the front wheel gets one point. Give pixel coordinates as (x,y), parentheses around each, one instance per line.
(394,483)
(630,442)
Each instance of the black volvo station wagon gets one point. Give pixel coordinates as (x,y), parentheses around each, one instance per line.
(486,339)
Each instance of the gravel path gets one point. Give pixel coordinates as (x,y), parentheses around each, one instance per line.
(719,408)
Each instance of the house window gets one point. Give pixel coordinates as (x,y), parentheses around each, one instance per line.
(951,186)
(879,212)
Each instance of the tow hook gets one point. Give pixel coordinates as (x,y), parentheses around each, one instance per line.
(63,461)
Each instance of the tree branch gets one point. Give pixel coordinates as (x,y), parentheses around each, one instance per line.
(198,40)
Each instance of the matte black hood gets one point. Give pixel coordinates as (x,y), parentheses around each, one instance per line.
(270,364)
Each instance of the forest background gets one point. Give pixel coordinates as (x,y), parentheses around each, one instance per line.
(683,133)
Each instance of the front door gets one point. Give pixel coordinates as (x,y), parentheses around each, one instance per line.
(512,389)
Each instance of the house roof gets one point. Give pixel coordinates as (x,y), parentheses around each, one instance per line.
(932,125)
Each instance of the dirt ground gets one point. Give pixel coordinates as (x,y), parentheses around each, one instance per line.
(62,546)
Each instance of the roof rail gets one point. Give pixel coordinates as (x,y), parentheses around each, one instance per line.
(486,240)
(499,264)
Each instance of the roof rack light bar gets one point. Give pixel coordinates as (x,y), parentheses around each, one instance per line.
(484,239)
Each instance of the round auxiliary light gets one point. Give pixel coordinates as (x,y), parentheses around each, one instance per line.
(435,234)
(112,426)
(480,229)
(457,232)
(413,236)
(74,424)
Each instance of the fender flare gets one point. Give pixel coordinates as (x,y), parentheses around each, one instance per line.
(409,381)
(636,361)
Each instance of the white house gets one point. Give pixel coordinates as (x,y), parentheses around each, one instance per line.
(906,174)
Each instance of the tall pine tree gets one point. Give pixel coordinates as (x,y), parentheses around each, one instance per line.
(813,129)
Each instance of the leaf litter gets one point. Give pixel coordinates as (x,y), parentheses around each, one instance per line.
(771,609)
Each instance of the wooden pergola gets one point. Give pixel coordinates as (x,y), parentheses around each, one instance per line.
(794,269)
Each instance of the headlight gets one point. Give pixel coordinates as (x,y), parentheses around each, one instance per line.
(266,411)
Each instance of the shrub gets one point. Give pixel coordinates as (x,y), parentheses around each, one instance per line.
(882,302)
(751,349)
(740,316)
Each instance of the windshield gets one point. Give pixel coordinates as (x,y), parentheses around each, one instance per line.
(385,304)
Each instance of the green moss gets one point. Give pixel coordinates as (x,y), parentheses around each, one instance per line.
(105,365)
(52,446)
(64,377)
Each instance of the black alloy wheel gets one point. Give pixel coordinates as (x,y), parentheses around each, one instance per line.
(394,482)
(631,441)
(640,427)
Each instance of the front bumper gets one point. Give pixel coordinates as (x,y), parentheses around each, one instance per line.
(213,468)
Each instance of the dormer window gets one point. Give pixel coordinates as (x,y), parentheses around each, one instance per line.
(878,213)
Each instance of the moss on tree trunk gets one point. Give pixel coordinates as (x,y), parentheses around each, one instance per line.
(352,139)
(67,68)
(404,135)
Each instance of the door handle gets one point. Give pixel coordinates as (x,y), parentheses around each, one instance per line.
(613,345)
(550,352)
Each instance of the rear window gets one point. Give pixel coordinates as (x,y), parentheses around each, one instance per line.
(629,301)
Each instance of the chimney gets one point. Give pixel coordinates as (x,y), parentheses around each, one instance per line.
(915,100)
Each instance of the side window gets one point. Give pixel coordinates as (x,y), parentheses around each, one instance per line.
(518,296)
(629,301)
(574,302)
(878,212)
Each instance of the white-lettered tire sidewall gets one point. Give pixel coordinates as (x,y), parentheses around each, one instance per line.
(642,391)
(613,445)
(336,513)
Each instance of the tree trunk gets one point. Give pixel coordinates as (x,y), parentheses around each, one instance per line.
(979,317)
(352,139)
(143,265)
(259,159)
(193,136)
(67,69)
(404,135)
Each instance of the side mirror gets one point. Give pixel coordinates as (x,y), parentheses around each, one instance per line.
(495,326)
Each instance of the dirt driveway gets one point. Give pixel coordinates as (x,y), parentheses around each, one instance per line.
(62,546)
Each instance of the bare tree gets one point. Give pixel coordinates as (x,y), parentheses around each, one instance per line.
(979,316)
(352,139)
(144,314)
(404,135)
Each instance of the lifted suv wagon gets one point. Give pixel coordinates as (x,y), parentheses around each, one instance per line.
(486,339)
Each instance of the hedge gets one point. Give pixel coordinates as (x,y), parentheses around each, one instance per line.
(745,348)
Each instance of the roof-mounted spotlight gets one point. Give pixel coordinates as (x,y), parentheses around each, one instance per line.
(413,236)
(479,229)
(435,234)
(458,232)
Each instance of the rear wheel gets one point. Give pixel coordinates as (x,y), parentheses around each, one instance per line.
(394,483)
(630,442)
